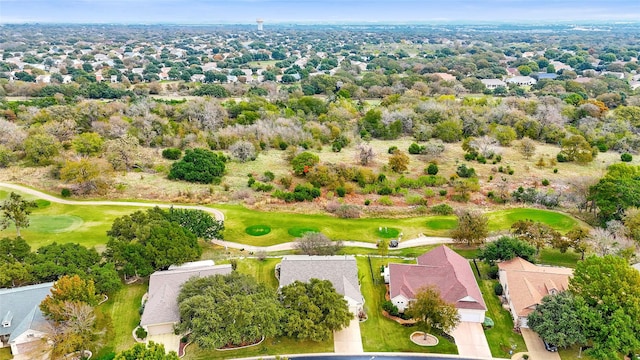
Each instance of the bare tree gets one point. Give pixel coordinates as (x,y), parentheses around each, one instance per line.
(485,145)
(313,243)
(604,242)
(364,154)
(243,151)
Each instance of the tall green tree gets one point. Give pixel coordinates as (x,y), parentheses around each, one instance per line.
(618,190)
(16,211)
(472,228)
(68,289)
(431,312)
(610,289)
(313,310)
(228,310)
(506,248)
(558,320)
(198,222)
(198,165)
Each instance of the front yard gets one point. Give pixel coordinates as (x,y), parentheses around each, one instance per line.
(380,334)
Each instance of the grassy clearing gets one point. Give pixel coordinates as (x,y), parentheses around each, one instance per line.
(123,307)
(262,271)
(388,233)
(549,256)
(501,337)
(380,333)
(503,219)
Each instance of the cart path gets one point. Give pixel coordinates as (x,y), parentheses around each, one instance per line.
(419,241)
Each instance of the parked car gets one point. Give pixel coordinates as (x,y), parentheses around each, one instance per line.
(549,346)
(393,243)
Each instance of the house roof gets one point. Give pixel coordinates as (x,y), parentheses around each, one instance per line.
(527,283)
(496,82)
(22,307)
(342,271)
(521,79)
(443,268)
(164,287)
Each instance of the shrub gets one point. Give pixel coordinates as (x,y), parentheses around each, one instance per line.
(493,272)
(303,162)
(415,149)
(432,169)
(442,209)
(268,176)
(385,190)
(545,182)
(347,212)
(555,171)
(171,153)
(341,191)
(141,333)
(443,192)
(392,149)
(626,157)
(65,193)
(497,289)
(466,172)
(385,201)
(561,157)
(286,181)
(243,151)
(390,308)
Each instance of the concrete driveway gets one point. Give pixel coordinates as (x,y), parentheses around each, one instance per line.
(535,346)
(471,340)
(348,340)
(171,342)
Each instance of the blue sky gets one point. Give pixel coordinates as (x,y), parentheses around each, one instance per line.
(301,11)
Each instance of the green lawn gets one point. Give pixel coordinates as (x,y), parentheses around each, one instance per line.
(380,333)
(550,256)
(501,337)
(263,271)
(5,354)
(124,309)
(503,219)
(276,346)
(572,354)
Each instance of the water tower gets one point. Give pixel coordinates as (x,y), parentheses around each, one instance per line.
(260,22)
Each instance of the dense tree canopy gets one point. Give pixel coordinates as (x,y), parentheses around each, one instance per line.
(472,228)
(146,241)
(16,210)
(432,312)
(68,289)
(150,351)
(313,310)
(198,165)
(610,290)
(507,248)
(558,320)
(618,190)
(228,310)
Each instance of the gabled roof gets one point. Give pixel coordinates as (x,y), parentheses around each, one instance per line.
(342,271)
(23,304)
(164,287)
(442,268)
(527,283)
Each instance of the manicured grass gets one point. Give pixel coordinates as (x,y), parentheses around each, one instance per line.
(378,332)
(550,256)
(501,336)
(298,231)
(257,230)
(503,219)
(572,354)
(5,354)
(387,232)
(263,271)
(53,224)
(271,346)
(124,309)
(442,222)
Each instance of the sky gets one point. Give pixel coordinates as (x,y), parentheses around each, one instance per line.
(314,11)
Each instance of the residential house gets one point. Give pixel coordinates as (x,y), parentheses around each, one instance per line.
(445,270)
(197,78)
(341,271)
(445,76)
(23,324)
(522,80)
(525,284)
(550,76)
(43,79)
(161,311)
(493,83)
(615,74)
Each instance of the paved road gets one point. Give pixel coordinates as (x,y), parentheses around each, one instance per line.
(419,241)
(216,213)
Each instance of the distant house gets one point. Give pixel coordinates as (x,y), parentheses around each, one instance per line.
(615,74)
(445,76)
(493,83)
(43,79)
(525,284)
(543,75)
(342,271)
(161,311)
(445,270)
(197,78)
(23,324)
(522,80)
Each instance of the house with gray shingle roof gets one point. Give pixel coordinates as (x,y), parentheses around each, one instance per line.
(23,324)
(445,270)
(161,311)
(341,270)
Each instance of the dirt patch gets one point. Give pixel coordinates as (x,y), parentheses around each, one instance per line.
(419,338)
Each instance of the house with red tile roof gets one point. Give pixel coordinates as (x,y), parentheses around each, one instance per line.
(525,284)
(448,272)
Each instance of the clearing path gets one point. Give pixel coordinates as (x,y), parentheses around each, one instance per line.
(471,340)
(216,213)
(348,340)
